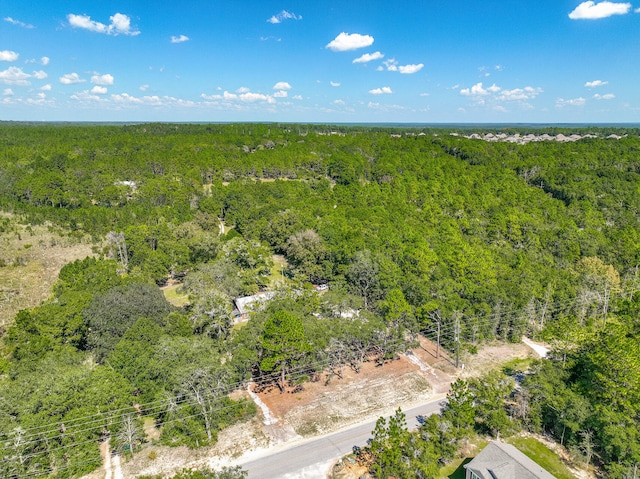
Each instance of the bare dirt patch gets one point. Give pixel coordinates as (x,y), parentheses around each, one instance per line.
(319,408)
(494,356)
(30,259)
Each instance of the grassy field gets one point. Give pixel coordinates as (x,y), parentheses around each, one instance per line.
(30,259)
(277,278)
(173,294)
(542,455)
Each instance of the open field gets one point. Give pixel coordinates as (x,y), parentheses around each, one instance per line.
(30,259)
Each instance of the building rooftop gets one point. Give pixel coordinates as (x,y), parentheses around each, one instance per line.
(503,461)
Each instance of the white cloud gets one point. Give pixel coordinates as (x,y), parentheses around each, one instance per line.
(282,85)
(475,90)
(385,108)
(391,64)
(593,11)
(280,94)
(46,87)
(7,92)
(106,79)
(125,98)
(349,41)
(18,22)
(409,69)
(244,96)
(120,24)
(368,57)
(253,97)
(595,83)
(561,103)
(40,75)
(144,87)
(8,56)
(424,94)
(380,91)
(180,39)
(70,79)
(490,95)
(14,76)
(606,96)
(519,94)
(85,96)
(45,60)
(334,84)
(99,90)
(242,89)
(338,102)
(283,15)
(297,97)
(41,99)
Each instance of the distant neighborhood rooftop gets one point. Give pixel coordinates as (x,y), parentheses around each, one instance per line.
(517,138)
(503,461)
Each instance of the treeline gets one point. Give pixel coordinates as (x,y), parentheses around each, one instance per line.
(480,224)
(413,233)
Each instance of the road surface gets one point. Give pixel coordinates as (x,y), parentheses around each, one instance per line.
(312,458)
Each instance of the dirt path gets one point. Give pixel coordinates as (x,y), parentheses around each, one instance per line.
(540,349)
(111,463)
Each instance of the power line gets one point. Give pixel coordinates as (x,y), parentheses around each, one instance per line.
(151,407)
(301,372)
(90,423)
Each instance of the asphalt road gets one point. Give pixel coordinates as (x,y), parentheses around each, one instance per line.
(306,459)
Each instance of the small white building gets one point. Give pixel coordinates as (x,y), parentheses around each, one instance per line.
(249,304)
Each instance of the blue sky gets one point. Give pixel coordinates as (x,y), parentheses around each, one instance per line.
(349,61)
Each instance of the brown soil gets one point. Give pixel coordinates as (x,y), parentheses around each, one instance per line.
(320,408)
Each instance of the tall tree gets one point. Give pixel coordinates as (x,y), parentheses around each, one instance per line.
(284,345)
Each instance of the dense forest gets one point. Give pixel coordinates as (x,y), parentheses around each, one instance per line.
(416,231)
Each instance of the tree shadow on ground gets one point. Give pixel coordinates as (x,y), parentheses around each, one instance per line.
(460,472)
